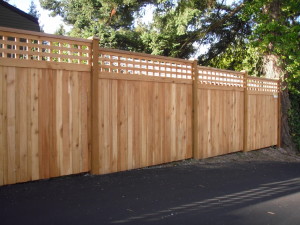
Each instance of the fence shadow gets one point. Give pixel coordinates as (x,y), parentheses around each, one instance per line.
(228,193)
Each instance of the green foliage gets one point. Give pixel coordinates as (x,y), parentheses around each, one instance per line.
(112,21)
(61,30)
(238,57)
(33,10)
(294,117)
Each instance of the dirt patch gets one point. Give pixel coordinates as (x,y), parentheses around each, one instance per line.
(270,154)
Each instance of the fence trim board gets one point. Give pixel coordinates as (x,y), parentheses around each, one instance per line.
(225,88)
(138,54)
(41,34)
(44,65)
(131,77)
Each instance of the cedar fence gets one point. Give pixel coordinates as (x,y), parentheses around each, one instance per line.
(68,106)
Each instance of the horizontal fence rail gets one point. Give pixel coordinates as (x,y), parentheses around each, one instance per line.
(68,106)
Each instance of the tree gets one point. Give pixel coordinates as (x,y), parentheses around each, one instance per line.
(61,30)
(33,10)
(112,21)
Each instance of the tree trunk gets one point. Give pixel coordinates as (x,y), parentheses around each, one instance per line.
(286,138)
(274,68)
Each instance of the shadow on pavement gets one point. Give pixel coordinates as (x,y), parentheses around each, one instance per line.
(228,193)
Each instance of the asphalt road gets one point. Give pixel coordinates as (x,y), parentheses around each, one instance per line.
(228,193)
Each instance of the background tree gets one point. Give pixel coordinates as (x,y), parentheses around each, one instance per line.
(33,11)
(112,21)
(61,30)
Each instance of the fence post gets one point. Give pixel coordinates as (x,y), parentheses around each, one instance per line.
(279,115)
(245,145)
(195,78)
(94,107)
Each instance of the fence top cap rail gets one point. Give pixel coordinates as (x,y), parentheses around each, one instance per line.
(262,78)
(41,34)
(165,58)
(220,70)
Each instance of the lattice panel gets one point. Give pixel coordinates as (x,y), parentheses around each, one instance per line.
(217,77)
(138,64)
(262,85)
(44,48)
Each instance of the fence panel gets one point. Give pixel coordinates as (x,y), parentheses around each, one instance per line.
(144,114)
(44,122)
(262,113)
(220,112)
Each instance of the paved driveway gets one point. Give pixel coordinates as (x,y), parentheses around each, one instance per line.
(227,193)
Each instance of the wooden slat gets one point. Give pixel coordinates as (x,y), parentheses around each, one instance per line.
(22,121)
(115,134)
(130,124)
(144,116)
(137,143)
(59,120)
(66,154)
(94,108)
(4,145)
(11,125)
(279,115)
(195,108)
(84,101)
(2,127)
(74,96)
(150,124)
(246,116)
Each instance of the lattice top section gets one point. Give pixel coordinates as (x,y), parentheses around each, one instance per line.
(115,61)
(41,47)
(217,77)
(262,85)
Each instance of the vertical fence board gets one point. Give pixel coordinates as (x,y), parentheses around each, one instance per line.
(123,126)
(11,125)
(115,133)
(168,112)
(66,155)
(23,135)
(130,111)
(34,121)
(84,122)
(137,148)
(53,151)
(59,119)
(5,123)
(44,123)
(2,128)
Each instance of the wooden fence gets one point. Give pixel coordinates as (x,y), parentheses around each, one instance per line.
(68,106)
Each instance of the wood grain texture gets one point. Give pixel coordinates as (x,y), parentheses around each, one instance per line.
(39,122)
(262,121)
(220,116)
(142,124)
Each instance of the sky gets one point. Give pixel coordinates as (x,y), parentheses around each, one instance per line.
(50,24)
